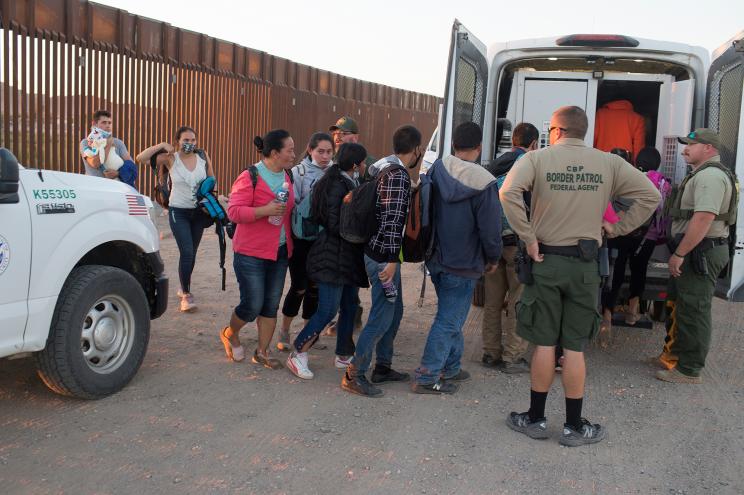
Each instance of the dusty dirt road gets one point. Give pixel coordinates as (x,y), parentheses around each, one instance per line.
(192,422)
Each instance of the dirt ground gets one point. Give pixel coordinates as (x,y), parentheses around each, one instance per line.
(192,422)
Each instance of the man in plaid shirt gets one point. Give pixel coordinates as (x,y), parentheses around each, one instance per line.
(394,175)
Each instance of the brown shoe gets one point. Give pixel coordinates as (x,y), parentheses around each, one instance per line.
(664,360)
(675,376)
(266,361)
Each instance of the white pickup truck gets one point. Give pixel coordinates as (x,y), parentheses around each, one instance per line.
(80,277)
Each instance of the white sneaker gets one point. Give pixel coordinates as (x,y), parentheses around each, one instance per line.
(187,304)
(342,362)
(297,364)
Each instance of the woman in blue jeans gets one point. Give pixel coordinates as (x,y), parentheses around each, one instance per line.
(262,244)
(337,266)
(187,168)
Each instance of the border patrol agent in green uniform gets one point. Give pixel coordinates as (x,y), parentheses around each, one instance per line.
(571,185)
(701,209)
(346,130)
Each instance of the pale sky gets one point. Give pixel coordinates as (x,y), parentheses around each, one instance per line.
(405,43)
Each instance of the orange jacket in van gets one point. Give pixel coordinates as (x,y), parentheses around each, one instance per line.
(618,126)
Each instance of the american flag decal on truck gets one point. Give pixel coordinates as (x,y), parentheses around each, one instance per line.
(136,205)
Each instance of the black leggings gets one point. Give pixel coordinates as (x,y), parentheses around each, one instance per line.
(303,290)
(629,249)
(187,225)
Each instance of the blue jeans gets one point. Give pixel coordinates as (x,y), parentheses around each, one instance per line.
(331,297)
(445,343)
(261,284)
(187,225)
(382,323)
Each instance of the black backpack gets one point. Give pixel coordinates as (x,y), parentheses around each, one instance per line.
(359,210)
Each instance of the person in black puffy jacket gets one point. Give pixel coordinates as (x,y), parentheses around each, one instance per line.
(337,266)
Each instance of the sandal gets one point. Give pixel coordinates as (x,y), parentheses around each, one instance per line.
(266,361)
(234,353)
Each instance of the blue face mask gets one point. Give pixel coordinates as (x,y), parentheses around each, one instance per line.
(188,147)
(104,134)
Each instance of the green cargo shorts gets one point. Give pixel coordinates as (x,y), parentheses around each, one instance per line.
(561,306)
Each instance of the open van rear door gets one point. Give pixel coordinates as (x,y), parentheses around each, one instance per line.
(725,114)
(465,90)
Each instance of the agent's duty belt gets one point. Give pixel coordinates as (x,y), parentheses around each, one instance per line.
(571,251)
(715,241)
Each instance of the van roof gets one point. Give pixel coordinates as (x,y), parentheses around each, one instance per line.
(644,45)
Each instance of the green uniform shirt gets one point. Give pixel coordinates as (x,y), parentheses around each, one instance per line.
(709,191)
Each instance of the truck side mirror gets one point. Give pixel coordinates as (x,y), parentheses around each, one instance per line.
(8,177)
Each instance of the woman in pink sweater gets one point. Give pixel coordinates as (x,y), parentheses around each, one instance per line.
(261,204)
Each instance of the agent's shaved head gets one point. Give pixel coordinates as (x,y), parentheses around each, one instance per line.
(572,120)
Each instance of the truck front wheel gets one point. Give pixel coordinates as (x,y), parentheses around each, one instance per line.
(99,333)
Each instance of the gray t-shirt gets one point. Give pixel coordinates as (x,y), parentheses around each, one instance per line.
(121,150)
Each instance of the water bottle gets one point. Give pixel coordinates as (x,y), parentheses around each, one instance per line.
(389,288)
(282,196)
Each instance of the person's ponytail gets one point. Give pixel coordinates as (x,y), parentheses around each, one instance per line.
(258,143)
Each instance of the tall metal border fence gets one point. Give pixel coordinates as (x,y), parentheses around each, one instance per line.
(64,59)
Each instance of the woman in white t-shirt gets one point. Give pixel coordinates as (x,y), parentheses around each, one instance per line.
(187,169)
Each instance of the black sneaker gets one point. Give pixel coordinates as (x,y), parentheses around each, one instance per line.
(438,388)
(519,366)
(384,374)
(461,376)
(491,362)
(520,422)
(360,385)
(588,433)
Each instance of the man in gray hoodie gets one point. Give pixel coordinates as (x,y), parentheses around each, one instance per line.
(467,223)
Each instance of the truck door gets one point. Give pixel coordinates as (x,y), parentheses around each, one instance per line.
(725,115)
(466,86)
(15,256)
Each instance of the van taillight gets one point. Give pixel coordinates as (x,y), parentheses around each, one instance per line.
(599,40)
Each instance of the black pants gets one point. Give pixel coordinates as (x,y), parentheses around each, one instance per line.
(187,225)
(303,290)
(629,250)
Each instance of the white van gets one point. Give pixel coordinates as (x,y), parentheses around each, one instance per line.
(674,86)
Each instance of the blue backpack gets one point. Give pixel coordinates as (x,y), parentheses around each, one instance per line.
(207,199)
(303,225)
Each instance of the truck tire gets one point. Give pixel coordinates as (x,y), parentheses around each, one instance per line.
(99,333)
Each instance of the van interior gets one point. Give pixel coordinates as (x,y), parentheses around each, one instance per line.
(663,93)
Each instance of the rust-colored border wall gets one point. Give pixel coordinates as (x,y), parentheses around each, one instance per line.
(64,59)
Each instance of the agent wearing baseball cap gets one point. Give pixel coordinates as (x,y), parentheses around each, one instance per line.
(701,210)
(346,130)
